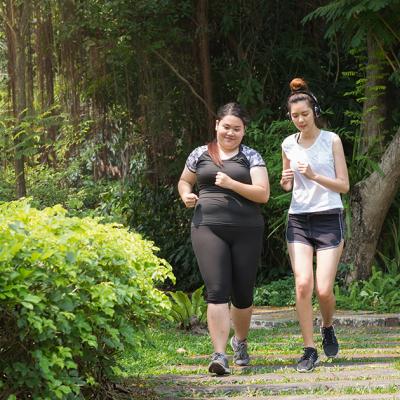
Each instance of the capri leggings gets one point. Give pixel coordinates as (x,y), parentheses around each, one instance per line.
(228,257)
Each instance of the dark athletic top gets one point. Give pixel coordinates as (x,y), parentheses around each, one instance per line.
(219,206)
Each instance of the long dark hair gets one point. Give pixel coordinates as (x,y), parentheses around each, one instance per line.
(234,109)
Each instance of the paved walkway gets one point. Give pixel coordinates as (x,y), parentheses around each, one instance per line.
(368,367)
(266,317)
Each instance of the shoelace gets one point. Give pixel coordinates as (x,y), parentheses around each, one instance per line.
(329,336)
(240,347)
(217,356)
(308,353)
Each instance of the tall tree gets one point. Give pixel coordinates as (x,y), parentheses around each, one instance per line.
(371,25)
(16,17)
(46,74)
(204,56)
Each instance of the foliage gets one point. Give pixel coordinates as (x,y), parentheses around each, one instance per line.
(73,294)
(7,185)
(390,253)
(277,293)
(188,312)
(158,214)
(114,104)
(267,140)
(358,18)
(380,293)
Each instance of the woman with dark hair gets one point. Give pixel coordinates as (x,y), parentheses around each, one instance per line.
(227,229)
(314,168)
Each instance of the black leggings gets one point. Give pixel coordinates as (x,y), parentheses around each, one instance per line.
(228,257)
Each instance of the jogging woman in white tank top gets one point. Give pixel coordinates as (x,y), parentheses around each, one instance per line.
(314,169)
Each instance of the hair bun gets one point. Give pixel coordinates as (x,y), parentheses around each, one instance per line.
(298,84)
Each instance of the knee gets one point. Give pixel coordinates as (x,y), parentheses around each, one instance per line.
(242,300)
(242,304)
(304,288)
(217,297)
(324,294)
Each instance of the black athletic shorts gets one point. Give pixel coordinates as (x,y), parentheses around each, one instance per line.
(321,230)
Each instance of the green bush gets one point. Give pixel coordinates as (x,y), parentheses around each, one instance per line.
(74,293)
(158,214)
(379,293)
(277,293)
(188,312)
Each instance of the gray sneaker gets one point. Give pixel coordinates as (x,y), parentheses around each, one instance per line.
(240,356)
(219,364)
(308,361)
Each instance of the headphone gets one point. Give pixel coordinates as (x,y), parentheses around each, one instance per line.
(316,107)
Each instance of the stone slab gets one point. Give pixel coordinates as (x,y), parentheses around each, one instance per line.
(270,317)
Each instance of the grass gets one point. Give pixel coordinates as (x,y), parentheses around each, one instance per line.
(177,360)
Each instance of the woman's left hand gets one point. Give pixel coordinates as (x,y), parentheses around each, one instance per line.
(305,169)
(223,180)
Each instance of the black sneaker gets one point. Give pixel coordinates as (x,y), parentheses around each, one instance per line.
(329,342)
(308,361)
(241,357)
(219,364)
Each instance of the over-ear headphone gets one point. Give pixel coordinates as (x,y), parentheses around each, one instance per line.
(316,107)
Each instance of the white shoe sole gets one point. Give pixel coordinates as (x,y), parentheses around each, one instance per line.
(217,368)
(305,371)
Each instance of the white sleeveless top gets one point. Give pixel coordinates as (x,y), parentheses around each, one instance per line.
(309,196)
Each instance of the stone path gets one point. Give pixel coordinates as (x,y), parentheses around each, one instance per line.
(368,367)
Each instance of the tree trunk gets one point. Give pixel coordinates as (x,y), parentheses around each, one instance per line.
(205,65)
(44,49)
(17,21)
(369,202)
(30,97)
(374,108)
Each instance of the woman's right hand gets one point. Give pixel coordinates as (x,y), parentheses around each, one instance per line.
(287,179)
(287,176)
(190,199)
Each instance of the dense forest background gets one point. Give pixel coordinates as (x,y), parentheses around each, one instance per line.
(102,101)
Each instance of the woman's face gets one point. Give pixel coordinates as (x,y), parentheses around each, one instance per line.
(230,132)
(302,116)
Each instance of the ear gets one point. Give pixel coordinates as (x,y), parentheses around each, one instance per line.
(216,124)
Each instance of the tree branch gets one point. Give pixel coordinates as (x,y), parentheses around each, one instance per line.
(192,89)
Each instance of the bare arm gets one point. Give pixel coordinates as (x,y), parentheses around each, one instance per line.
(258,191)
(340,184)
(185,187)
(287,174)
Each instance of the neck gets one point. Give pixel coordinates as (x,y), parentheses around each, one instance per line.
(228,152)
(310,133)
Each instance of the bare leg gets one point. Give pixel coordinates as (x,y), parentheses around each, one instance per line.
(241,321)
(301,257)
(327,262)
(219,325)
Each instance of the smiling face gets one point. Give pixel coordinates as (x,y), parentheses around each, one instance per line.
(302,116)
(230,132)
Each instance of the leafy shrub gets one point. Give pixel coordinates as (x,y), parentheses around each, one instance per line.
(73,294)
(7,184)
(276,293)
(188,312)
(159,215)
(379,293)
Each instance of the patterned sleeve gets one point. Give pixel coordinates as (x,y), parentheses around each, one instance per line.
(194,156)
(254,157)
